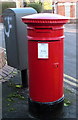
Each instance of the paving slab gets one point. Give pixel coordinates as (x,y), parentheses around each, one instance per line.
(19,108)
(15,107)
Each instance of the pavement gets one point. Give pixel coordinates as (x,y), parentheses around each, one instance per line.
(14,106)
(15,100)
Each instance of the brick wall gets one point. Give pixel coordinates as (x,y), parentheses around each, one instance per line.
(72,9)
(2,58)
(61,10)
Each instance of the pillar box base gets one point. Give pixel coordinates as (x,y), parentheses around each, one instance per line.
(46,110)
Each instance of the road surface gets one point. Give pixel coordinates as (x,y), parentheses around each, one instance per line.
(70,63)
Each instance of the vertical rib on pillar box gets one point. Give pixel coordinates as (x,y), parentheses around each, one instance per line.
(46,61)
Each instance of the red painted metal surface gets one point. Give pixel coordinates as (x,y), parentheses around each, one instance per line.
(45,73)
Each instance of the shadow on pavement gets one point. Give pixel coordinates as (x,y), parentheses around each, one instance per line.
(15,102)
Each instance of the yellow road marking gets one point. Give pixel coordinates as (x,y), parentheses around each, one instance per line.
(71,83)
(70,77)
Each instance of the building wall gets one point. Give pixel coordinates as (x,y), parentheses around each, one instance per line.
(72,9)
(77,11)
(67,9)
(67,0)
(61,10)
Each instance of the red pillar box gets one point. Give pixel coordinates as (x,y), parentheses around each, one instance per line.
(46,60)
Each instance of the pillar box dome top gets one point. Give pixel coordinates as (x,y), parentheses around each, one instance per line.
(44,18)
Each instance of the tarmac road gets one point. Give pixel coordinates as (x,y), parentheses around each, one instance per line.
(70,53)
(69,48)
(70,75)
(70,56)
